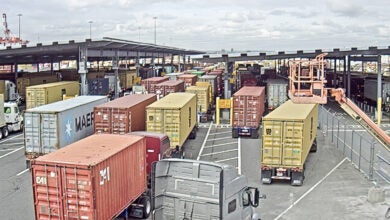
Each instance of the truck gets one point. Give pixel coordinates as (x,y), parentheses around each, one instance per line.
(9,91)
(175,116)
(193,189)
(248,108)
(202,98)
(56,125)
(10,118)
(276,93)
(289,134)
(51,92)
(98,177)
(122,115)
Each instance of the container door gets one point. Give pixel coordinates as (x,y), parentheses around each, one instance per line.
(252,111)
(272,143)
(239,111)
(172,126)
(119,121)
(47,191)
(31,132)
(49,133)
(77,193)
(292,146)
(155,120)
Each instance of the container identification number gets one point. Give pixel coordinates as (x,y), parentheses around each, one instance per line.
(104,175)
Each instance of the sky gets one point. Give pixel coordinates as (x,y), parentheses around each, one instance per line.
(241,25)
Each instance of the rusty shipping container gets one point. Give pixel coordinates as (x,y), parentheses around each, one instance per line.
(248,108)
(289,134)
(189,79)
(51,92)
(123,115)
(170,86)
(173,115)
(149,83)
(95,178)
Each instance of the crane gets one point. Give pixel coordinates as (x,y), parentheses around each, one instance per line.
(8,39)
(306,85)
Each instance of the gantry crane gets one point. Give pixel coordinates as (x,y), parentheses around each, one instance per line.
(8,39)
(307,85)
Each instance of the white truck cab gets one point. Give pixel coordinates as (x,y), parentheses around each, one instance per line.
(10,118)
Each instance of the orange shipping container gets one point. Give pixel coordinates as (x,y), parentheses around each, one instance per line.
(189,79)
(123,115)
(151,82)
(164,88)
(94,178)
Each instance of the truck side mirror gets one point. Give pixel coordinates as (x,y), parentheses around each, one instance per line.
(256,198)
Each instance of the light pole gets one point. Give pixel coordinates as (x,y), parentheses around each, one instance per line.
(90,29)
(19,15)
(139,34)
(155,32)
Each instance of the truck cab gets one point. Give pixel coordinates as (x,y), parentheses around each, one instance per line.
(13,117)
(191,189)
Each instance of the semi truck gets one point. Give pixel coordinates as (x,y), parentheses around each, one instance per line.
(192,189)
(11,119)
(9,91)
(289,134)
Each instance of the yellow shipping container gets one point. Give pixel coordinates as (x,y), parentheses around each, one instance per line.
(173,115)
(289,134)
(202,97)
(128,79)
(51,92)
(31,80)
(208,85)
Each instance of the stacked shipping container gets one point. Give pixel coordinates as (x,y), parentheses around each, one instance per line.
(151,82)
(170,86)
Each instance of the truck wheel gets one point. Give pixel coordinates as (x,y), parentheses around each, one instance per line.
(255,134)
(1,135)
(296,178)
(145,201)
(5,132)
(234,133)
(313,148)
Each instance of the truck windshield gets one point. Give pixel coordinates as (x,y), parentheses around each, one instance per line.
(7,110)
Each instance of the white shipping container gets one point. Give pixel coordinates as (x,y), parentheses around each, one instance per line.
(53,126)
(276,93)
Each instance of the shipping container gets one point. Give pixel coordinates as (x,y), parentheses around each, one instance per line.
(53,126)
(174,76)
(32,80)
(202,96)
(189,79)
(175,116)
(127,79)
(149,83)
(212,79)
(97,178)
(199,73)
(98,86)
(170,86)
(248,108)
(220,84)
(51,92)
(122,115)
(289,134)
(276,93)
(211,96)
(371,90)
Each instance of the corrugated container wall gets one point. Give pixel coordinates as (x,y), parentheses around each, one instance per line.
(127,79)
(51,92)
(288,134)
(94,178)
(173,76)
(123,115)
(208,86)
(173,115)
(31,80)
(53,126)
(202,97)
(151,82)
(276,92)
(248,106)
(189,79)
(212,79)
(170,86)
(98,86)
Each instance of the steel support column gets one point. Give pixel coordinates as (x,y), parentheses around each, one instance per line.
(349,78)
(379,99)
(334,83)
(345,73)
(82,70)
(115,67)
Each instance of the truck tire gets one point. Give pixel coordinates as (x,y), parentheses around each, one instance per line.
(193,134)
(234,133)
(5,132)
(297,178)
(255,134)
(1,135)
(313,148)
(145,201)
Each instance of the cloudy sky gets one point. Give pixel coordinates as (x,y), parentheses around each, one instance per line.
(261,25)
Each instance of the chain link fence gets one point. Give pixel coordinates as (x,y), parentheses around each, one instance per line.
(366,153)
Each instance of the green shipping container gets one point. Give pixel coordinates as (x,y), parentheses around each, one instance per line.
(289,134)
(51,92)
(173,115)
(202,96)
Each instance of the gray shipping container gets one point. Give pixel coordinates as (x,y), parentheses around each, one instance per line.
(98,86)
(53,126)
(276,92)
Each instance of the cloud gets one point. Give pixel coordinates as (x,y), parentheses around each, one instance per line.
(347,8)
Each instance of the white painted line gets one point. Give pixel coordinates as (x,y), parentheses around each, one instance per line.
(22,172)
(13,144)
(219,152)
(224,132)
(11,138)
(220,161)
(342,130)
(239,155)
(223,138)
(11,152)
(311,189)
(204,141)
(218,145)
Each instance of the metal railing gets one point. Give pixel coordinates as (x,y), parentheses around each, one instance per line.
(367,154)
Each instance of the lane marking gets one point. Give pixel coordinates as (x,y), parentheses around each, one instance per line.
(311,189)
(220,161)
(239,155)
(10,138)
(219,145)
(220,152)
(22,172)
(12,152)
(223,138)
(224,132)
(12,144)
(204,141)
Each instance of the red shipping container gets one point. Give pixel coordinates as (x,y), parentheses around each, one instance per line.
(123,115)
(151,82)
(248,106)
(220,85)
(189,79)
(164,88)
(94,178)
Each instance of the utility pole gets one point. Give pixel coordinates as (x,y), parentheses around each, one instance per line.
(90,29)
(155,30)
(19,15)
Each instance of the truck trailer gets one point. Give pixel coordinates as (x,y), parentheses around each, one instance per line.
(198,190)
(289,134)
